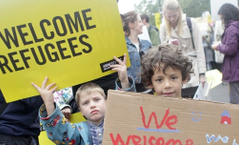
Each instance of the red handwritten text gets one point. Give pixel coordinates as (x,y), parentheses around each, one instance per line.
(167,120)
(137,140)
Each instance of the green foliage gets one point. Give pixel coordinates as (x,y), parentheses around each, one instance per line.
(148,7)
(193,8)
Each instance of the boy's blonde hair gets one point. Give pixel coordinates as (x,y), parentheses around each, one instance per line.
(170,56)
(88,88)
(172,5)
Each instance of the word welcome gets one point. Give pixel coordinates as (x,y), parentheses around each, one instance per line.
(152,140)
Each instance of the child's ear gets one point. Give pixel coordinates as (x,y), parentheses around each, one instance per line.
(185,81)
(151,86)
(131,25)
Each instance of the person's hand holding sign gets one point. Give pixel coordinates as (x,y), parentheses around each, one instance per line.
(121,68)
(46,93)
(67,112)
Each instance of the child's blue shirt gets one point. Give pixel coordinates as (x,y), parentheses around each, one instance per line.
(61,131)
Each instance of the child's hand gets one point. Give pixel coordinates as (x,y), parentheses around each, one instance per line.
(67,112)
(46,93)
(122,71)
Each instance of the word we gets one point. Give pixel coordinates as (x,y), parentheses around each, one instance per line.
(167,120)
(219,138)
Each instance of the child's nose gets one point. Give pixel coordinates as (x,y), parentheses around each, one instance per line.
(167,84)
(92,104)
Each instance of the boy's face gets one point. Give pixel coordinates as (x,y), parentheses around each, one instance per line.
(92,106)
(168,84)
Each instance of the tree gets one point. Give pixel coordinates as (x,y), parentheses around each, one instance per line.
(148,7)
(191,7)
(194,8)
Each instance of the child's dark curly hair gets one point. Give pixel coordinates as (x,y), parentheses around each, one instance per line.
(169,55)
(229,12)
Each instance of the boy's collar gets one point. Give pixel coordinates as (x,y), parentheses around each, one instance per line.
(95,125)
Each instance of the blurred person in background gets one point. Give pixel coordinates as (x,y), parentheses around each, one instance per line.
(175,30)
(19,121)
(229,46)
(132,25)
(152,30)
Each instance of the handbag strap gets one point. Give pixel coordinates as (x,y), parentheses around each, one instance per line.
(189,23)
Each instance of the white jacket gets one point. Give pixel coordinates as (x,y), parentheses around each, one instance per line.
(197,55)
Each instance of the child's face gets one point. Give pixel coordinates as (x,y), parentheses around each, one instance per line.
(92,106)
(168,84)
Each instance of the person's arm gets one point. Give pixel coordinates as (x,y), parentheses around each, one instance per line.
(163,35)
(121,68)
(230,42)
(46,93)
(199,51)
(122,71)
(58,128)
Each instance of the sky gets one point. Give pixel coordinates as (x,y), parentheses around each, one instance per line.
(127,5)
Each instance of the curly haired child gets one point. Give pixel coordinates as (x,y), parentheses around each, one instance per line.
(165,69)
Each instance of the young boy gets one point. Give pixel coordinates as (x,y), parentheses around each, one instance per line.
(165,69)
(91,101)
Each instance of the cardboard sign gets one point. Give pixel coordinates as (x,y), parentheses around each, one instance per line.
(71,42)
(141,119)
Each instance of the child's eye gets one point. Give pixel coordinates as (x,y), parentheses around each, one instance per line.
(158,80)
(174,78)
(97,99)
(85,103)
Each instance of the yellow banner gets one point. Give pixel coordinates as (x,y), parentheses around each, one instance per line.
(71,42)
(157,17)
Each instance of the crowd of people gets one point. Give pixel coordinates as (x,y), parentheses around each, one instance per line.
(172,66)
